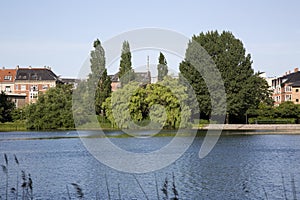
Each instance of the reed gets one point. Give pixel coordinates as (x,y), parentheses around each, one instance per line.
(79,191)
(107,187)
(141,187)
(165,189)
(156,186)
(266,195)
(175,192)
(283,187)
(17,186)
(24,185)
(293,187)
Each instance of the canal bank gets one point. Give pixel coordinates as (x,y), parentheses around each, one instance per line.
(252,127)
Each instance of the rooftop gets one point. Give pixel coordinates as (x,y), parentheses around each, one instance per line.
(35,74)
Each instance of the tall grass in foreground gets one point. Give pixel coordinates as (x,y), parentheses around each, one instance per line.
(26,184)
(23,188)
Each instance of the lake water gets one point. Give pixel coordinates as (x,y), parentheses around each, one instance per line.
(239,167)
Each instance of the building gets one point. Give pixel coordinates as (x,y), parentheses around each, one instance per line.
(287,87)
(141,77)
(7,85)
(115,82)
(7,80)
(32,81)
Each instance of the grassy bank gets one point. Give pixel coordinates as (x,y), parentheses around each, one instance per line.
(13,126)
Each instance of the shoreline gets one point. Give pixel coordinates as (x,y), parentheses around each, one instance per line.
(249,129)
(252,127)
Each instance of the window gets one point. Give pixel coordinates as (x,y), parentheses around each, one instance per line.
(7,89)
(288,97)
(23,87)
(34,88)
(33,95)
(277,98)
(297,90)
(8,78)
(287,88)
(297,100)
(45,87)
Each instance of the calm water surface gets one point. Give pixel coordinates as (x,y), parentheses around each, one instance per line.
(239,167)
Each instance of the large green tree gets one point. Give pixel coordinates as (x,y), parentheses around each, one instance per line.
(162,103)
(162,68)
(99,82)
(244,89)
(53,109)
(126,73)
(6,108)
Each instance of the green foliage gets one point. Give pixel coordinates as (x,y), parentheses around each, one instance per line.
(98,83)
(162,67)
(244,89)
(6,108)
(163,103)
(265,120)
(53,109)
(126,73)
(103,91)
(13,126)
(286,112)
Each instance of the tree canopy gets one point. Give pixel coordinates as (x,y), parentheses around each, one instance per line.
(137,104)
(244,88)
(52,110)
(162,68)
(99,83)
(6,108)
(126,73)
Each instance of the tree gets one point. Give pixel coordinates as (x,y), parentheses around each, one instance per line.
(99,82)
(6,108)
(103,91)
(126,73)
(162,103)
(53,109)
(244,89)
(287,109)
(162,67)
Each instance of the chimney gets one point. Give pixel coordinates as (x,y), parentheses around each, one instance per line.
(30,67)
(289,71)
(296,69)
(17,67)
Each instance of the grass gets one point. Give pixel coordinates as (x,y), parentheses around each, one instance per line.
(13,126)
(25,182)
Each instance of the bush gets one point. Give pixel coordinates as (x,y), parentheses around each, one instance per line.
(272,121)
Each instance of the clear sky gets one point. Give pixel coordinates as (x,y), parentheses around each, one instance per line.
(60,33)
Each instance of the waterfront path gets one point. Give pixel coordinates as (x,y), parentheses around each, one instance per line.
(271,127)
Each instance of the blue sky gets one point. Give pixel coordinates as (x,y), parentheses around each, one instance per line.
(60,33)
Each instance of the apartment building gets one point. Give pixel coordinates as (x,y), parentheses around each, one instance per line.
(287,87)
(32,81)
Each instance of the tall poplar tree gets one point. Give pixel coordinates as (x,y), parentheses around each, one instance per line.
(162,67)
(99,82)
(126,73)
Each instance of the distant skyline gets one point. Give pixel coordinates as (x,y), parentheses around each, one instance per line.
(60,34)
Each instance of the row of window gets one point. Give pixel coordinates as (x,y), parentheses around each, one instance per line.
(277,90)
(288,97)
(32,87)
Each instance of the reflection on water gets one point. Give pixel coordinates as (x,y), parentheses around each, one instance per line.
(239,167)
